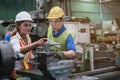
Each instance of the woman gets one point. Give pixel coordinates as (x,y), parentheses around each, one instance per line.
(21,41)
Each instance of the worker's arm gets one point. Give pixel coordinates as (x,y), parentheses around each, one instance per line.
(27,48)
(65,54)
(70,47)
(69,54)
(16,45)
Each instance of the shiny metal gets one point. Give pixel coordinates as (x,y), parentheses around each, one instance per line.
(109,76)
(99,71)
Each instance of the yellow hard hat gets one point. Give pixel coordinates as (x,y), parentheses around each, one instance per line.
(56,12)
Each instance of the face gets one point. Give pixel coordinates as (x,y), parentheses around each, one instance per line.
(25,27)
(56,24)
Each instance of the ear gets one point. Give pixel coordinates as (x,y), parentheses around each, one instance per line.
(62,21)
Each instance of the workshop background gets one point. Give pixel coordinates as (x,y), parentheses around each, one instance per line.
(94,9)
(96,24)
(100,12)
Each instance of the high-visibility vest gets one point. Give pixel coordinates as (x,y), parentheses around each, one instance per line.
(60,39)
(25,64)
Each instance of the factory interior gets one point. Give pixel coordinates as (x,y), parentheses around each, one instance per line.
(95,24)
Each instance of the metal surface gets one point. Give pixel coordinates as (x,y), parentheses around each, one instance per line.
(6,58)
(39,29)
(34,74)
(91,58)
(103,46)
(46,57)
(42,29)
(49,67)
(109,73)
(44,69)
(99,71)
(109,76)
(106,76)
(61,68)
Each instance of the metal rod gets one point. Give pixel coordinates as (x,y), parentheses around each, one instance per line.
(91,58)
(109,76)
(70,8)
(66,7)
(99,71)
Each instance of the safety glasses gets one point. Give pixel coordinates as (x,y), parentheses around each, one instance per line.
(26,25)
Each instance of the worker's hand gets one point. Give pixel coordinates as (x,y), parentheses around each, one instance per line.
(59,55)
(41,41)
(44,39)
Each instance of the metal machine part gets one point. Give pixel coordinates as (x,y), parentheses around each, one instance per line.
(109,73)
(7,58)
(47,65)
(103,46)
(61,68)
(42,10)
(52,67)
(43,59)
(38,30)
(117,58)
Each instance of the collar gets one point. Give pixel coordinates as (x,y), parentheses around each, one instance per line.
(59,32)
(19,37)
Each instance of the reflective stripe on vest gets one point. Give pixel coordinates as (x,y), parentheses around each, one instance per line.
(25,63)
(61,39)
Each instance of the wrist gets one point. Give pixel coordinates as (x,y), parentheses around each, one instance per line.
(36,44)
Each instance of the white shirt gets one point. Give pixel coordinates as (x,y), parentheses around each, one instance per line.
(15,43)
(16,46)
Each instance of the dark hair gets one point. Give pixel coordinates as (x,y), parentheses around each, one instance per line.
(61,18)
(18,24)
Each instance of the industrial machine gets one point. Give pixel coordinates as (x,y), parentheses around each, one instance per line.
(7,59)
(46,62)
(46,66)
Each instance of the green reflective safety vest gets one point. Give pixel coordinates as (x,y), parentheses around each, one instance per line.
(60,39)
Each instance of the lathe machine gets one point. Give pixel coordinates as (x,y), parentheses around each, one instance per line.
(46,66)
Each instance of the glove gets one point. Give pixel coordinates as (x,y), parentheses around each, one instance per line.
(59,54)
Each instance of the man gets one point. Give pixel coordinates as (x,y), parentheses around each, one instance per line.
(61,39)
(57,33)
